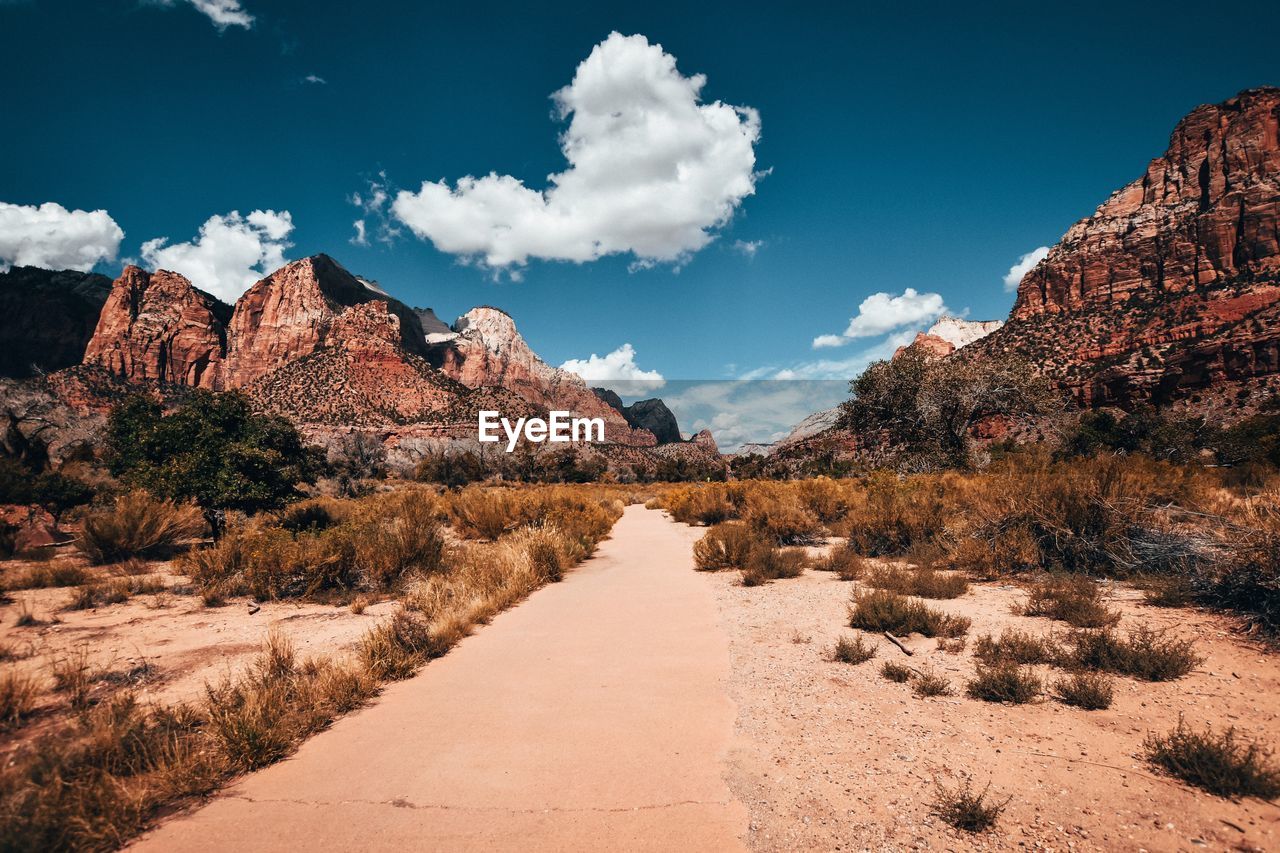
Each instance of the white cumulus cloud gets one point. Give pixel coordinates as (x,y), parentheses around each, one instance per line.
(1024,265)
(617,370)
(881,313)
(53,237)
(652,172)
(230,253)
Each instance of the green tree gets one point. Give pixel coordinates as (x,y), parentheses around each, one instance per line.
(214,449)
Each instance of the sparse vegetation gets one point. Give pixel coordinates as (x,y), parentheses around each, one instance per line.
(966,810)
(930,683)
(883,610)
(1069,598)
(137,525)
(921,582)
(1016,647)
(1004,682)
(844,562)
(768,563)
(727,545)
(1143,653)
(18,692)
(1221,764)
(854,651)
(1091,691)
(895,672)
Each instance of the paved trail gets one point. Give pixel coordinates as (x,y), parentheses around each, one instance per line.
(594,716)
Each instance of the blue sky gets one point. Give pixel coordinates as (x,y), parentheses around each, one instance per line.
(921,146)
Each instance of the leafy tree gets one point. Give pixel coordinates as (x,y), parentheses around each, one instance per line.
(57,493)
(213,449)
(929,406)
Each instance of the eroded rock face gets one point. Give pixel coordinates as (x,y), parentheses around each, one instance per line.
(47,318)
(486,350)
(1169,291)
(157,327)
(292,312)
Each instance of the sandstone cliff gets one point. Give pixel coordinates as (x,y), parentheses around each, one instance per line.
(1170,291)
(156,327)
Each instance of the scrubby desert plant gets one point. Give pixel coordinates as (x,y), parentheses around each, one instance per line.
(395,649)
(1072,599)
(854,651)
(921,582)
(1004,683)
(1221,764)
(1091,691)
(895,672)
(726,545)
(930,683)
(138,525)
(843,561)
(1016,647)
(1143,653)
(782,520)
(884,610)
(966,810)
(767,563)
(18,693)
(56,573)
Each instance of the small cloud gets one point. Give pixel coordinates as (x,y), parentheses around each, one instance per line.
(617,370)
(1024,265)
(361,238)
(230,253)
(315,79)
(375,221)
(881,313)
(223,13)
(748,247)
(53,237)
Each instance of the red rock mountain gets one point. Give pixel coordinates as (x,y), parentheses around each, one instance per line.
(331,351)
(1170,291)
(157,327)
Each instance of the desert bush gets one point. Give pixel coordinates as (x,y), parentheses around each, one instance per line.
(114,591)
(781,518)
(896,515)
(842,560)
(137,525)
(74,675)
(313,515)
(1004,682)
(951,645)
(726,545)
(1144,653)
(826,499)
(921,582)
(1069,598)
(703,504)
(895,672)
(18,693)
(1016,647)
(1247,578)
(966,810)
(1169,590)
(1221,764)
(930,683)
(1091,691)
(884,610)
(46,575)
(767,563)
(854,651)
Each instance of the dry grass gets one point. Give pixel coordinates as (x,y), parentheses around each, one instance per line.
(1069,598)
(1221,764)
(1017,647)
(1091,691)
(844,562)
(56,573)
(1143,653)
(921,582)
(137,525)
(929,683)
(853,651)
(767,563)
(114,591)
(895,672)
(966,810)
(18,694)
(726,545)
(884,610)
(1004,682)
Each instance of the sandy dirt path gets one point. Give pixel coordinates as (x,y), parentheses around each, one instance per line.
(593,716)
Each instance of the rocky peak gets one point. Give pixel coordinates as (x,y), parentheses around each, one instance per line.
(959,332)
(158,327)
(291,313)
(1170,291)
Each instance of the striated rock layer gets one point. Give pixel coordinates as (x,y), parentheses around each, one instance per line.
(1170,291)
(156,327)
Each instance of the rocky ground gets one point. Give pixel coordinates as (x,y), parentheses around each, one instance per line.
(831,756)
